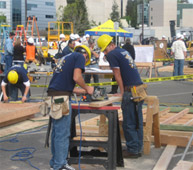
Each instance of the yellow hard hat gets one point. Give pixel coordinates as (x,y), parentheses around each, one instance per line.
(12,77)
(86,50)
(103,41)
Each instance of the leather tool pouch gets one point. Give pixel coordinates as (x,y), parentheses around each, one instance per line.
(139,93)
(59,106)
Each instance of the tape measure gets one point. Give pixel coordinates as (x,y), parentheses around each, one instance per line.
(144,80)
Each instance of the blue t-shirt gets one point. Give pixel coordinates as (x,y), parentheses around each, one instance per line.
(62,79)
(22,73)
(120,58)
(66,51)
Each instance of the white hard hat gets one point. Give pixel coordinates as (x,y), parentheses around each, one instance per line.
(76,36)
(72,36)
(30,40)
(62,36)
(87,35)
(178,36)
(163,36)
(184,34)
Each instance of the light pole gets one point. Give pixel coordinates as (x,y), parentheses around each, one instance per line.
(142,33)
(26,13)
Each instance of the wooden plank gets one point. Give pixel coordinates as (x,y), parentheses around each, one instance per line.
(175,117)
(10,112)
(174,140)
(164,112)
(190,122)
(165,158)
(105,102)
(20,127)
(177,128)
(184,165)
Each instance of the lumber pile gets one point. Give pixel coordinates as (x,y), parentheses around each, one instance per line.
(11,113)
(175,127)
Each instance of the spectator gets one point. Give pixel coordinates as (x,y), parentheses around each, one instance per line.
(179,51)
(18,51)
(8,52)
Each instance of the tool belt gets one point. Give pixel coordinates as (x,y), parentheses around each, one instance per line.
(58,102)
(139,92)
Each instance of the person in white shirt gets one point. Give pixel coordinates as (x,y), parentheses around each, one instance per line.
(77,40)
(62,43)
(179,51)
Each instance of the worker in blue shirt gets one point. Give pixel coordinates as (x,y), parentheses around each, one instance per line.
(16,78)
(69,48)
(67,74)
(127,77)
(8,51)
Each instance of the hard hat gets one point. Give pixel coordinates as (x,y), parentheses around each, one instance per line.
(12,77)
(84,49)
(30,40)
(62,36)
(163,36)
(76,36)
(103,41)
(87,35)
(178,35)
(184,34)
(72,37)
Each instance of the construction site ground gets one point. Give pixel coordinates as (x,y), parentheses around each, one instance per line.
(174,94)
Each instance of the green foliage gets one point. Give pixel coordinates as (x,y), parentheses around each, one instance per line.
(131,13)
(2,19)
(114,15)
(78,15)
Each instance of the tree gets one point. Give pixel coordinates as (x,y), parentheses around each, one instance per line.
(114,15)
(131,13)
(77,14)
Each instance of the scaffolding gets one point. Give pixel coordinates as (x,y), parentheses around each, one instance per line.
(55,28)
(30,28)
(4,32)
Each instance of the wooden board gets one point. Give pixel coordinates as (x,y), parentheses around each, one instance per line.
(105,102)
(13,112)
(184,165)
(165,158)
(23,126)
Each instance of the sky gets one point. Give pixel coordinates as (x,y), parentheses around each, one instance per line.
(191,1)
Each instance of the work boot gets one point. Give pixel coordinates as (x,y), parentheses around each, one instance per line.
(127,154)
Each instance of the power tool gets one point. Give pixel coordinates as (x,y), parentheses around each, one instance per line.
(98,95)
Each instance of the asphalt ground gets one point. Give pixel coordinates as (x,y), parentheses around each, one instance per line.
(170,93)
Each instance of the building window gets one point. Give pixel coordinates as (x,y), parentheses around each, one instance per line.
(151,17)
(30,6)
(49,3)
(3,4)
(16,13)
(49,16)
(151,23)
(151,9)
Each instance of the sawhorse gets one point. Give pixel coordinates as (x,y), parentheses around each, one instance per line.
(112,145)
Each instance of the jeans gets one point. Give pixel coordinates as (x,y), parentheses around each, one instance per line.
(87,78)
(178,67)
(13,91)
(8,63)
(132,123)
(60,138)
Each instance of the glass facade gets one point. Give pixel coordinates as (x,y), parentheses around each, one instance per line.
(16,15)
(30,6)
(49,3)
(2,4)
